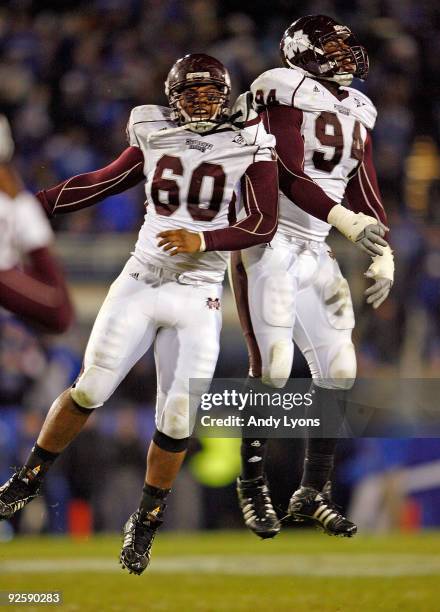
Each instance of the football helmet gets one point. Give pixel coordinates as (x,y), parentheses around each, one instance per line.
(199,109)
(324,49)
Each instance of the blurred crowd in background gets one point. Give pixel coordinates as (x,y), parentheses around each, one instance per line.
(70,72)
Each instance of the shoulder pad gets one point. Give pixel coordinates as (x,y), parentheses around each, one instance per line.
(148,113)
(276,86)
(254,134)
(362,107)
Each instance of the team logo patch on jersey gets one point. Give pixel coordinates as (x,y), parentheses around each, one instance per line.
(213,303)
(239,139)
(198,144)
(358,102)
(342,109)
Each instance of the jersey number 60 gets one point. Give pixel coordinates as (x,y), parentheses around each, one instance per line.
(204,212)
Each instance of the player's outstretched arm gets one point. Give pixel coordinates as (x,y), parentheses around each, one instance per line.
(284,122)
(363,196)
(38,293)
(259,186)
(84,190)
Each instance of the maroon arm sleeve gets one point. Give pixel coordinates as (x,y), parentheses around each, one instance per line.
(39,293)
(284,122)
(87,189)
(259,187)
(362,191)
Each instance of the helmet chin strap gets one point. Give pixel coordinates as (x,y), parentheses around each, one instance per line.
(345,79)
(200,126)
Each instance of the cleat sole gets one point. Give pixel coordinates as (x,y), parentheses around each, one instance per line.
(301,518)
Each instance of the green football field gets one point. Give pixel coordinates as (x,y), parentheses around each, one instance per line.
(232,571)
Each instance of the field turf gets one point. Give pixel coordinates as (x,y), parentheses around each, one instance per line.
(232,572)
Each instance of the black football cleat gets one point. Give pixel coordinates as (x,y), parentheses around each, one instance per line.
(327,490)
(14,495)
(256,506)
(138,536)
(308,503)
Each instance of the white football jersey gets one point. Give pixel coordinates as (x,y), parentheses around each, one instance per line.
(23,228)
(334,133)
(192,182)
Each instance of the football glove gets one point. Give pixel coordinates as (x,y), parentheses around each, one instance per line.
(242,111)
(382,271)
(365,231)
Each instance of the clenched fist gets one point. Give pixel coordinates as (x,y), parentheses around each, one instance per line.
(179,241)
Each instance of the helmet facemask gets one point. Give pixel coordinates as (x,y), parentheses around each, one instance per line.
(345,57)
(199,106)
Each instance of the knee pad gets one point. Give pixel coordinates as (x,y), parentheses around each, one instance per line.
(338,305)
(277,372)
(94,387)
(278,300)
(176,422)
(342,368)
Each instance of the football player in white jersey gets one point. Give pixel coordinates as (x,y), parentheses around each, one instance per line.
(293,289)
(32,284)
(195,166)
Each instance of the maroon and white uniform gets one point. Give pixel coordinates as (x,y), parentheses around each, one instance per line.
(293,288)
(195,182)
(31,283)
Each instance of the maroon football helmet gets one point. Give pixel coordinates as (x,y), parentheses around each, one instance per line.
(324,49)
(200,112)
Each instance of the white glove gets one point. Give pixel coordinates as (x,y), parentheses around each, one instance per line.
(6,142)
(365,231)
(242,111)
(382,271)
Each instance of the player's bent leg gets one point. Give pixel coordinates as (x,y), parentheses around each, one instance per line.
(270,351)
(312,500)
(123,331)
(63,423)
(268,307)
(323,333)
(188,349)
(121,334)
(342,365)
(165,457)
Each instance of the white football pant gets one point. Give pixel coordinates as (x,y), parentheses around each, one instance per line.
(147,305)
(290,290)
